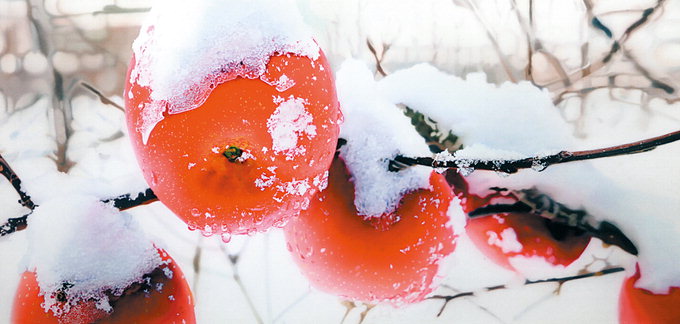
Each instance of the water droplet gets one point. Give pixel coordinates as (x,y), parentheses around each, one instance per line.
(207,231)
(226,237)
(195,212)
(289,247)
(192,226)
(154,179)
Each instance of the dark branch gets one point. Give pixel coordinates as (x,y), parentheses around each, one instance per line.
(105,100)
(448,298)
(127,201)
(13,178)
(538,163)
(14,225)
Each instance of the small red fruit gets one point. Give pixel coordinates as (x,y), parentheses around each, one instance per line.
(507,235)
(393,258)
(251,156)
(637,305)
(165,298)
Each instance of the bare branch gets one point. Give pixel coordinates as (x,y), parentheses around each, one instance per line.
(560,281)
(538,163)
(101,96)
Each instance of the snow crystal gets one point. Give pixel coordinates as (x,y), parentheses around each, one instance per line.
(184,50)
(376,131)
(90,246)
(289,121)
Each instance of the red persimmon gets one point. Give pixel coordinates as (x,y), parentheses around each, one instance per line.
(504,236)
(394,257)
(637,305)
(163,297)
(251,156)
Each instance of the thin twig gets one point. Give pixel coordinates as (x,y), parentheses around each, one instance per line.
(538,163)
(233,261)
(615,48)
(560,281)
(105,100)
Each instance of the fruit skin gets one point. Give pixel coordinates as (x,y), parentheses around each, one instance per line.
(393,258)
(184,164)
(172,304)
(537,236)
(640,306)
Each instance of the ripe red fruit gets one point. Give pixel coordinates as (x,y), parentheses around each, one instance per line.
(250,156)
(506,235)
(392,258)
(165,299)
(637,305)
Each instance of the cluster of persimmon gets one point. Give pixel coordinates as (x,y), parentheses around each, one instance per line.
(255,155)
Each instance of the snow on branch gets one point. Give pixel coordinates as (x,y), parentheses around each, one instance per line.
(538,163)
(15,224)
(13,178)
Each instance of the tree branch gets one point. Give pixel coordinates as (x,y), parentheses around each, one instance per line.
(127,201)
(122,202)
(538,163)
(13,178)
(560,281)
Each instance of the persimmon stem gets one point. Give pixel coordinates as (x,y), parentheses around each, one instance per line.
(538,163)
(560,281)
(15,181)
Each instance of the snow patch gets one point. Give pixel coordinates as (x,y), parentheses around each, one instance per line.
(185,50)
(289,121)
(507,241)
(376,131)
(78,242)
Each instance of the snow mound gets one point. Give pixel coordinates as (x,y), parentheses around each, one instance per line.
(186,49)
(87,249)
(376,131)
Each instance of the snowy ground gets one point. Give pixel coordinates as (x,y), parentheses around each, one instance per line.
(264,285)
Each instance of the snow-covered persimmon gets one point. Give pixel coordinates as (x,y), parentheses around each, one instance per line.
(248,143)
(504,236)
(163,296)
(393,258)
(638,305)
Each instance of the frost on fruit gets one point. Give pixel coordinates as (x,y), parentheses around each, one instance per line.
(376,131)
(87,249)
(184,50)
(507,240)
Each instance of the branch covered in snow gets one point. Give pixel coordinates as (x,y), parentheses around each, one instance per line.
(538,163)
(14,224)
(122,202)
(13,178)
(560,281)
